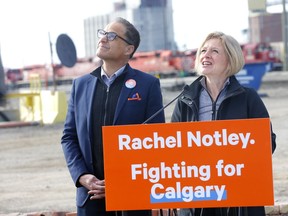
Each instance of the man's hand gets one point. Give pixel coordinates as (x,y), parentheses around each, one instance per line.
(95,186)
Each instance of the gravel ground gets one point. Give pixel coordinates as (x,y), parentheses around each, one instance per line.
(34,177)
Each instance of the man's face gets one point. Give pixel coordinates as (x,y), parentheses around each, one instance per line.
(115,49)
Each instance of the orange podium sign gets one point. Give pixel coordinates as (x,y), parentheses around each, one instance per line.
(190,164)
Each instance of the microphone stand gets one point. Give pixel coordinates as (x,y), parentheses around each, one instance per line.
(164,107)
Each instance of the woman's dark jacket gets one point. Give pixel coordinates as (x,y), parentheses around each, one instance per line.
(239,103)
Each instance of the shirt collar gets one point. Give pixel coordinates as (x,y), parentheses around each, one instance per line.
(116,74)
(203,82)
(109,80)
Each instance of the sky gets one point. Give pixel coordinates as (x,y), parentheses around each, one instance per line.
(26,26)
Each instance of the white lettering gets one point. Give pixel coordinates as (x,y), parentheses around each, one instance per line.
(187,193)
(229,169)
(154,174)
(125,142)
(218,138)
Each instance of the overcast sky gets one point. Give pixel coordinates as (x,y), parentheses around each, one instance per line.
(25,25)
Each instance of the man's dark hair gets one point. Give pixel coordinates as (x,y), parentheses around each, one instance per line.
(131,34)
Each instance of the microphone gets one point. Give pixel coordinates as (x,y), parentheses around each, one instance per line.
(186,87)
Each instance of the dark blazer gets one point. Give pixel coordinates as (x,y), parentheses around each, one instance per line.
(77,134)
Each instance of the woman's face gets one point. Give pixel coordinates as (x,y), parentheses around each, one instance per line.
(213,59)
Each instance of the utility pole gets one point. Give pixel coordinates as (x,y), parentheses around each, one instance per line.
(2,80)
(52,64)
(284,35)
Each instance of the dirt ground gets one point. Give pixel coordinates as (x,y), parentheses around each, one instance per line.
(34,177)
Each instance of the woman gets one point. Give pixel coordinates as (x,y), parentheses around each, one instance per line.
(217,95)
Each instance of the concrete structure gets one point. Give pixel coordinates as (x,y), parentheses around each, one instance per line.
(266,27)
(153,19)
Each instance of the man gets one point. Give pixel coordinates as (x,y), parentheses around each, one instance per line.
(113,94)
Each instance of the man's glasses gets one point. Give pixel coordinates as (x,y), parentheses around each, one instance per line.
(110,36)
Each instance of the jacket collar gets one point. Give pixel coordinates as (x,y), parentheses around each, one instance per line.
(191,92)
(124,94)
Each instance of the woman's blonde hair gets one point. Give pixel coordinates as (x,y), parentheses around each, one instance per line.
(232,49)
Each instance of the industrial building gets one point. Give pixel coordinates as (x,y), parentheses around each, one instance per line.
(153,19)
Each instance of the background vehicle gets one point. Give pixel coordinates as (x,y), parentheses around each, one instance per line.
(161,63)
(262,52)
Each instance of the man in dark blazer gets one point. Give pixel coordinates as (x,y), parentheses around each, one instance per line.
(113,94)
